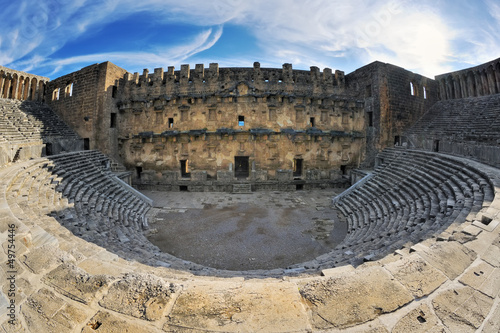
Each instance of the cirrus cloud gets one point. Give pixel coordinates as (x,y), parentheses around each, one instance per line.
(427,37)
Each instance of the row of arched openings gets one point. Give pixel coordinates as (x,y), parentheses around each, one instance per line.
(20,87)
(475,82)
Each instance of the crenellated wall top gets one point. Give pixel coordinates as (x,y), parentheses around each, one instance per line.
(202,80)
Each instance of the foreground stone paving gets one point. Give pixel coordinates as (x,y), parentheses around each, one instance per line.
(60,283)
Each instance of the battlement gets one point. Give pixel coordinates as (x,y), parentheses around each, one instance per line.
(202,81)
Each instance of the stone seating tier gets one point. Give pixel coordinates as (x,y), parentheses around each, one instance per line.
(28,121)
(470,119)
(412,195)
(418,211)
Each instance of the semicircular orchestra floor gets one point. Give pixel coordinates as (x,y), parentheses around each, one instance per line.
(260,230)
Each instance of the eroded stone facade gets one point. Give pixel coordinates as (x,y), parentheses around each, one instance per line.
(266,126)
(204,129)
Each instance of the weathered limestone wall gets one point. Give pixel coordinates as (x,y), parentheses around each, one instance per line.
(199,82)
(476,81)
(394,99)
(271,116)
(83,99)
(20,85)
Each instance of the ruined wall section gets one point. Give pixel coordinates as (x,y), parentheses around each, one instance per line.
(200,82)
(207,117)
(21,85)
(476,81)
(394,98)
(84,100)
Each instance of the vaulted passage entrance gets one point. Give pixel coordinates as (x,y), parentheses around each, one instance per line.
(241,167)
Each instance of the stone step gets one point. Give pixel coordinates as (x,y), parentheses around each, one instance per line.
(242,188)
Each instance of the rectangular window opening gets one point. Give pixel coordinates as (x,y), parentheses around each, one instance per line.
(138,172)
(412,89)
(311,121)
(425,93)
(185,169)
(297,167)
(69,90)
(343,169)
(170,122)
(435,146)
(370,118)
(299,187)
(241,120)
(55,94)
(183,188)
(114,91)
(48,149)
(112,123)
(86,144)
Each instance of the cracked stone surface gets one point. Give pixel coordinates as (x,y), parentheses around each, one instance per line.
(483,277)
(451,258)
(45,257)
(75,283)
(105,322)
(416,275)
(141,296)
(44,311)
(230,307)
(419,320)
(348,300)
(462,309)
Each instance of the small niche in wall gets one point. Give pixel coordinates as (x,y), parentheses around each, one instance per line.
(370,118)
(112,123)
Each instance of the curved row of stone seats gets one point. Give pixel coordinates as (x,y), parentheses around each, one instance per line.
(411,196)
(65,284)
(25,121)
(476,118)
(79,191)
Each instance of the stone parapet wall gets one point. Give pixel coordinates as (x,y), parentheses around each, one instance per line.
(201,82)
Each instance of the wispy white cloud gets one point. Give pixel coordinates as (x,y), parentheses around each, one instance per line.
(138,60)
(425,36)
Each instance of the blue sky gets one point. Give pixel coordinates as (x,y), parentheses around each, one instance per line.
(55,37)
